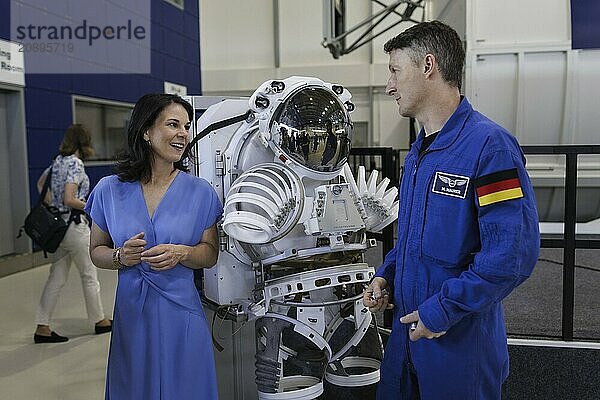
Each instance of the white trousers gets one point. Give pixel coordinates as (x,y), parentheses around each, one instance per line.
(73,248)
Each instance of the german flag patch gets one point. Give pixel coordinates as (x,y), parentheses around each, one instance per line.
(498,186)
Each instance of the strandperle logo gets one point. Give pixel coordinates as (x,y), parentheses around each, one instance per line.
(85,31)
(82,36)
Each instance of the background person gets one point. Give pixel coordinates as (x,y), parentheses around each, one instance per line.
(156,224)
(69,188)
(331,144)
(467,231)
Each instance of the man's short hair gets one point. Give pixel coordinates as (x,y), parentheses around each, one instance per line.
(434,38)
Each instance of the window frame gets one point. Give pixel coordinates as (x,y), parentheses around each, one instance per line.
(95,100)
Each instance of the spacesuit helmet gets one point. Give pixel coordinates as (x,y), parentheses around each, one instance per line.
(313,128)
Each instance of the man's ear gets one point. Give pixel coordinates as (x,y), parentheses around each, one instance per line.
(428,63)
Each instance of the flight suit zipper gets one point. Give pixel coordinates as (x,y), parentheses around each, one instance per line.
(419,158)
(404,312)
(407,326)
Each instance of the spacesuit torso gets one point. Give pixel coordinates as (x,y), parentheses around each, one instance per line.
(293,233)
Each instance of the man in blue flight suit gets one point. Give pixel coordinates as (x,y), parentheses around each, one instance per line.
(467,232)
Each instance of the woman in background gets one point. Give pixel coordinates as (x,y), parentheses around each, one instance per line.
(69,188)
(155,224)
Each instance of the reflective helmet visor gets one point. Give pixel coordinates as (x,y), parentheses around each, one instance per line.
(313,128)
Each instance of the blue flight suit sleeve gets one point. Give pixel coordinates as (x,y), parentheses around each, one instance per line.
(387,270)
(510,242)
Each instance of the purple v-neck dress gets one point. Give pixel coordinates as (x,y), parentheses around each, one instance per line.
(161,346)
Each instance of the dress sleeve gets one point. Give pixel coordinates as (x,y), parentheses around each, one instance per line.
(510,242)
(215,211)
(95,206)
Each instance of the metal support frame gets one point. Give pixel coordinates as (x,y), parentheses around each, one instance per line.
(336,42)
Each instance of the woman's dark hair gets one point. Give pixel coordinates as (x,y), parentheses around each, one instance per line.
(77,138)
(135,164)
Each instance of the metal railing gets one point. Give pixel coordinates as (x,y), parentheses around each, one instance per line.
(569,242)
(388,161)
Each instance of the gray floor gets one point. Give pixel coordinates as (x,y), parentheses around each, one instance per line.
(535,308)
(76,370)
(65,371)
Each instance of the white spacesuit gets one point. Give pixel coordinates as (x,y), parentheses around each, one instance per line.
(293,232)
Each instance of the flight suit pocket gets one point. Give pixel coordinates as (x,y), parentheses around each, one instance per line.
(450,231)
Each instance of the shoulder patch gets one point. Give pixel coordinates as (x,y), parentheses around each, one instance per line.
(498,186)
(450,184)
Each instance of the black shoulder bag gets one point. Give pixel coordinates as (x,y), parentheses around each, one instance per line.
(44,224)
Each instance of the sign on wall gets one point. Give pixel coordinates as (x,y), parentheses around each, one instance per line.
(173,88)
(585,29)
(12,65)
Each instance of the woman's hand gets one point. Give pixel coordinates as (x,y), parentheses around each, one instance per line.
(203,255)
(131,251)
(102,251)
(164,256)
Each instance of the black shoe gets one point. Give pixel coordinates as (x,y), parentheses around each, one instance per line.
(53,338)
(103,329)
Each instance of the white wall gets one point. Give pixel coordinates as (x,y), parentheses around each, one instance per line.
(522,72)
(518,66)
(517,22)
(520,69)
(283,38)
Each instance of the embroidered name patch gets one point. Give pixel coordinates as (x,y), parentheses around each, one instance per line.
(498,186)
(450,185)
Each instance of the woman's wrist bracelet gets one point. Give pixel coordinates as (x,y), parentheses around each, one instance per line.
(116,259)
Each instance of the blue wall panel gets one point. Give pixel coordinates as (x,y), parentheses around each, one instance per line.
(190,26)
(175,57)
(96,173)
(4,20)
(46,109)
(44,138)
(585,29)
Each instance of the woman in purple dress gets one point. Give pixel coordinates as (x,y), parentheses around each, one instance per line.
(155,224)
